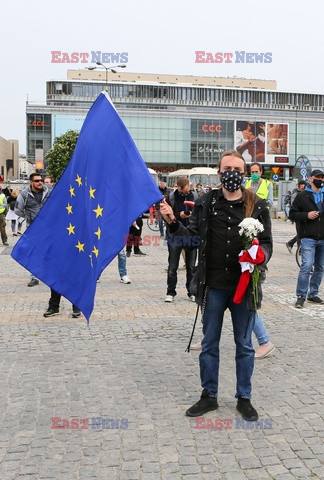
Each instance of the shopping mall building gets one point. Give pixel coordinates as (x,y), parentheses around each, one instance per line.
(186,121)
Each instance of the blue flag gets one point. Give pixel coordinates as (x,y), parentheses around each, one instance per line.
(84,223)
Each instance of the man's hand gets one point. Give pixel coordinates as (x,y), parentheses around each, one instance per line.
(313,214)
(184,214)
(166,211)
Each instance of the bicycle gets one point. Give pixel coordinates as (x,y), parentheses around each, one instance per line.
(298,255)
(153,219)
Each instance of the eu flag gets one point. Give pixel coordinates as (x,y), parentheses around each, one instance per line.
(83,224)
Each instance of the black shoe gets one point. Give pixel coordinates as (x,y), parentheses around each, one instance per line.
(50,312)
(76,314)
(249,413)
(139,254)
(289,247)
(33,282)
(300,302)
(128,254)
(315,299)
(204,405)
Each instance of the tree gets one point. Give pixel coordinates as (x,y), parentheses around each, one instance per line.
(59,155)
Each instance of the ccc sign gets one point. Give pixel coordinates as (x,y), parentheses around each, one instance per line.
(211,128)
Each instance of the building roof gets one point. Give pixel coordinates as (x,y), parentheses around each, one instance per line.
(162,78)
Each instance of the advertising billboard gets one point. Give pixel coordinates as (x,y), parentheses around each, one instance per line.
(262,142)
(250,140)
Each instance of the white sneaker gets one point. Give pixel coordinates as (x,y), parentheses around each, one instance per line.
(192,298)
(169,298)
(125,279)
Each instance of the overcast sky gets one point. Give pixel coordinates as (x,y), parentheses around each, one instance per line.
(159,37)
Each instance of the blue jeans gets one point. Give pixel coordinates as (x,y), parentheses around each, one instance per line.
(217,302)
(122,263)
(259,330)
(161,224)
(174,257)
(312,252)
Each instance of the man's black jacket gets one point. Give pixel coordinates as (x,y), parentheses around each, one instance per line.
(198,226)
(306,228)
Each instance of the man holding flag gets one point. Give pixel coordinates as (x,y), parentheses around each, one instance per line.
(82,226)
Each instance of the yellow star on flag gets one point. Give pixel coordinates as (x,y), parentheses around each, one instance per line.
(72,191)
(80,246)
(95,251)
(70,229)
(98,211)
(91,192)
(69,208)
(79,180)
(98,233)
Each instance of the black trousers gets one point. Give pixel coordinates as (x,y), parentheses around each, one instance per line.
(54,302)
(134,236)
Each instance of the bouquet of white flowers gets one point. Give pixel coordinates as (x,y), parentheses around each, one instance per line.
(249,258)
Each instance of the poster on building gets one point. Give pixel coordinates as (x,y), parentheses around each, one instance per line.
(250,140)
(276,142)
(209,140)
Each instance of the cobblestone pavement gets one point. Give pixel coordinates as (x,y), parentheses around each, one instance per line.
(131,364)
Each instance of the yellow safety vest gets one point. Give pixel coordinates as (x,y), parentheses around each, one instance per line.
(263,189)
(2,198)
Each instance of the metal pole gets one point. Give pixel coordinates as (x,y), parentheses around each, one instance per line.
(296,135)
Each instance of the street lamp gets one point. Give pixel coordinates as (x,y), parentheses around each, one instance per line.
(112,69)
(295,107)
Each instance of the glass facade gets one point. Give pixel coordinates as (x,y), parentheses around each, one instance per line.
(176,125)
(39,128)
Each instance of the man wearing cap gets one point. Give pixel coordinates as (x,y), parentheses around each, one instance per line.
(307,211)
(300,188)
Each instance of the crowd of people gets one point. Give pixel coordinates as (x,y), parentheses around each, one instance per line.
(204,228)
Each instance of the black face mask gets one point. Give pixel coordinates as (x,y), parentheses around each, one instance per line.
(318,183)
(232,180)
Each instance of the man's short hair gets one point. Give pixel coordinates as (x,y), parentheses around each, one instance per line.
(182,182)
(32,175)
(258,165)
(301,182)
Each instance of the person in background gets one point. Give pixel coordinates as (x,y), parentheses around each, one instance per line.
(49,182)
(11,200)
(134,239)
(164,191)
(122,270)
(29,203)
(307,211)
(287,204)
(300,188)
(3,211)
(182,213)
(200,190)
(263,189)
